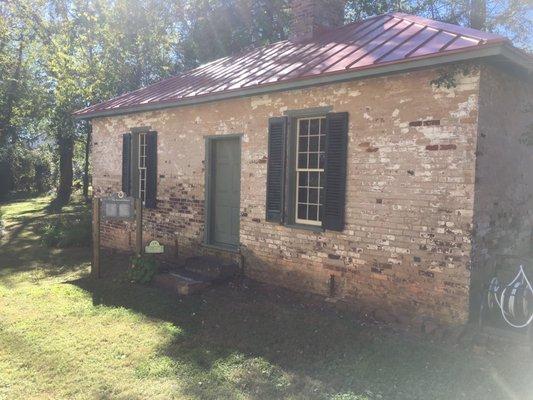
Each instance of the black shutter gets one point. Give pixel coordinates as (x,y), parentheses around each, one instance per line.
(275,168)
(151,170)
(335,170)
(126,163)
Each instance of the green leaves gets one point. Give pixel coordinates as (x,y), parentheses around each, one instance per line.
(143,269)
(216,28)
(57,56)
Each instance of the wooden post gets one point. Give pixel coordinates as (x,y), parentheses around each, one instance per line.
(138,227)
(95,265)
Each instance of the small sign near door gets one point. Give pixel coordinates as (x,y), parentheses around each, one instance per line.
(154,248)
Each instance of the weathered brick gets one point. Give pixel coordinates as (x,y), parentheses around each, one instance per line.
(447,147)
(390,214)
(503,216)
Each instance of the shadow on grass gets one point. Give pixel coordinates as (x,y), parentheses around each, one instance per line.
(22,250)
(20,198)
(254,341)
(284,349)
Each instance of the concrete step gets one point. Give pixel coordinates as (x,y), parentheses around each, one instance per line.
(204,266)
(194,274)
(179,283)
(211,267)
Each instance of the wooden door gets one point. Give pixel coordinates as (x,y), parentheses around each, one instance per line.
(225,182)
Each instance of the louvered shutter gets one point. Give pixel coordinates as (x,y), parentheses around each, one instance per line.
(151,170)
(126,163)
(277,128)
(335,170)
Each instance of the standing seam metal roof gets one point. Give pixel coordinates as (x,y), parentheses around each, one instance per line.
(377,41)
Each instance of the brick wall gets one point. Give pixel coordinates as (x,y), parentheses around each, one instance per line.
(504,179)
(410,191)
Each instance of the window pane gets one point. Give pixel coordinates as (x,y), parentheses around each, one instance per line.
(302,211)
(313,160)
(313,179)
(322,161)
(302,144)
(313,196)
(314,128)
(303,181)
(302,195)
(322,125)
(313,143)
(304,126)
(302,160)
(312,213)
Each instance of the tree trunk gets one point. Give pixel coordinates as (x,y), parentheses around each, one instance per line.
(66,153)
(478,14)
(86,164)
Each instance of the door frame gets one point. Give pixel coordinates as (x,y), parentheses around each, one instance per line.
(208,191)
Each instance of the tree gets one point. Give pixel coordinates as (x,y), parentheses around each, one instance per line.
(212,29)
(93,50)
(22,97)
(57,56)
(478,14)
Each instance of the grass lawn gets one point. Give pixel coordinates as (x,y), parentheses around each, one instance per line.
(65,336)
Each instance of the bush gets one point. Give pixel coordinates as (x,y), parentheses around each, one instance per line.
(62,233)
(25,170)
(143,269)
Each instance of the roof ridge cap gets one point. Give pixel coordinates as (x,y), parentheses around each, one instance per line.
(338,28)
(359,21)
(477,34)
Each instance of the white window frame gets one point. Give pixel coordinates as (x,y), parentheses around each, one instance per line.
(318,221)
(141,166)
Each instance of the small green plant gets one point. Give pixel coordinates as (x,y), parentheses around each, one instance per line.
(448,75)
(143,269)
(51,234)
(63,233)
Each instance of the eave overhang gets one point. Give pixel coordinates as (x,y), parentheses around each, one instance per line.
(501,54)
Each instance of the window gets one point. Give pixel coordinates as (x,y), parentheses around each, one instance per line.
(304,185)
(310,148)
(141,165)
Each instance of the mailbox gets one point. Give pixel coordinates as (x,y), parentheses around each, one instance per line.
(118,207)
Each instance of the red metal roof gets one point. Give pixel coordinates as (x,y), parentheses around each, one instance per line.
(377,41)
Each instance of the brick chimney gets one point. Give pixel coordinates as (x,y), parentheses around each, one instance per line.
(312,17)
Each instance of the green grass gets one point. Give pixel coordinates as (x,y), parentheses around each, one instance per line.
(65,336)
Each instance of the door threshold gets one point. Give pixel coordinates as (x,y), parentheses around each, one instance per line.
(223,247)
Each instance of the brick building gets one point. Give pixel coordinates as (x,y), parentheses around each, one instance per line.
(383,162)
